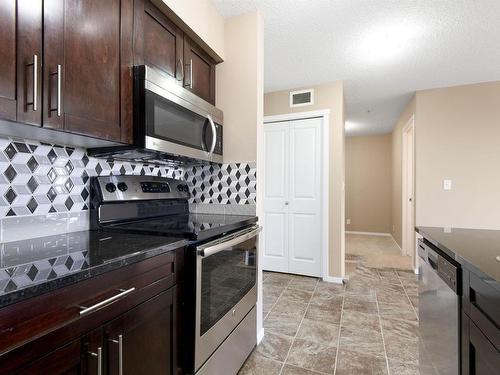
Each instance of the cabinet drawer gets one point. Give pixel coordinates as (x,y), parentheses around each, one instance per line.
(44,323)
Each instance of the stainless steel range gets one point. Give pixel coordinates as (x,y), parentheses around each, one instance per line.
(220,278)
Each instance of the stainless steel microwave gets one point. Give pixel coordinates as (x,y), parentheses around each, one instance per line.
(171,124)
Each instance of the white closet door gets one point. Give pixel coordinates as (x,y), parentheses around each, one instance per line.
(304,209)
(275,233)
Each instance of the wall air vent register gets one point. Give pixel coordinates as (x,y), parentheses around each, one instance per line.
(301,98)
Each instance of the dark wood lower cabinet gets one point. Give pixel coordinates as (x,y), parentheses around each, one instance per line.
(481,356)
(142,340)
(480,333)
(66,360)
(137,333)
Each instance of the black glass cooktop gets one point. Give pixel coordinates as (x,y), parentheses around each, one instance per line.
(192,226)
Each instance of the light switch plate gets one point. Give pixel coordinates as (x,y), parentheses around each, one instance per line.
(348,221)
(446,184)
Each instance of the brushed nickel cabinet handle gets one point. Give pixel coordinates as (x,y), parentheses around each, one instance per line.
(191,74)
(190,85)
(120,353)
(59,89)
(88,310)
(182,70)
(35,82)
(98,355)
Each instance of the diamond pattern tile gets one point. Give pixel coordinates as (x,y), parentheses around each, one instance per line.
(32,184)
(10,151)
(10,173)
(38,178)
(10,195)
(51,194)
(32,164)
(224,184)
(32,205)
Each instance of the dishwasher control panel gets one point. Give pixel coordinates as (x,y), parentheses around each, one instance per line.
(450,274)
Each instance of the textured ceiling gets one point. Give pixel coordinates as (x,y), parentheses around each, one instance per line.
(384,50)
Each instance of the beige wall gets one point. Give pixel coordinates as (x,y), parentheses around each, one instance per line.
(369,183)
(458,138)
(328,96)
(240,86)
(202,17)
(397,171)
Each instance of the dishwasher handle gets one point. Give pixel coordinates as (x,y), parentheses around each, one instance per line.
(432,263)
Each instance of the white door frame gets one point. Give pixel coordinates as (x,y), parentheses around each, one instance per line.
(408,246)
(325,133)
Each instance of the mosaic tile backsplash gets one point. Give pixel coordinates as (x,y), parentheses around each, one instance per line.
(37,178)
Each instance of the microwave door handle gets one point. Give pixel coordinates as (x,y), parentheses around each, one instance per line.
(214,134)
(211,250)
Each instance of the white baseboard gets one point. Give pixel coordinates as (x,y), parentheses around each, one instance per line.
(334,280)
(368,233)
(260,336)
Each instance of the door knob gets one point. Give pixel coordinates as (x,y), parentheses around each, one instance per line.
(286,203)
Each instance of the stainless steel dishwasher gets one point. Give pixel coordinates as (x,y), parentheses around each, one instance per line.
(439,313)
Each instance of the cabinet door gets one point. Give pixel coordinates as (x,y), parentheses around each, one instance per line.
(484,358)
(87,66)
(200,71)
(158,41)
(142,341)
(29,61)
(8,60)
(82,356)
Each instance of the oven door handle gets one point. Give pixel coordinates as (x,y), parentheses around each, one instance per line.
(211,250)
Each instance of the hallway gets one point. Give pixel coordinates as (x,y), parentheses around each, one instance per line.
(367,326)
(375,251)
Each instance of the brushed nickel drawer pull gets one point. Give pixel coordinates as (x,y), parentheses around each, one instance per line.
(88,310)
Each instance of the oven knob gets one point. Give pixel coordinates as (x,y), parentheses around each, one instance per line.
(186,188)
(180,187)
(110,187)
(122,186)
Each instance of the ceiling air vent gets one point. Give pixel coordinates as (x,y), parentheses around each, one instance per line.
(301,98)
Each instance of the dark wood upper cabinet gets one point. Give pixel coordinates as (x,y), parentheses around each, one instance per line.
(8,60)
(200,71)
(87,67)
(158,41)
(29,61)
(142,340)
(67,64)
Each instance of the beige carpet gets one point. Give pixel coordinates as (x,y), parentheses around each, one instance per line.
(375,251)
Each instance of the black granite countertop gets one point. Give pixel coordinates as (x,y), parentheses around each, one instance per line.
(35,266)
(476,249)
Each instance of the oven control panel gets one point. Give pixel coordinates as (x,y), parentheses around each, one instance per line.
(155,187)
(127,188)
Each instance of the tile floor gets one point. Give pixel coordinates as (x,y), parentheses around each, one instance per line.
(367,326)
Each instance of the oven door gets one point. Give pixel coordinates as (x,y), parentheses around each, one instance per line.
(226,289)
